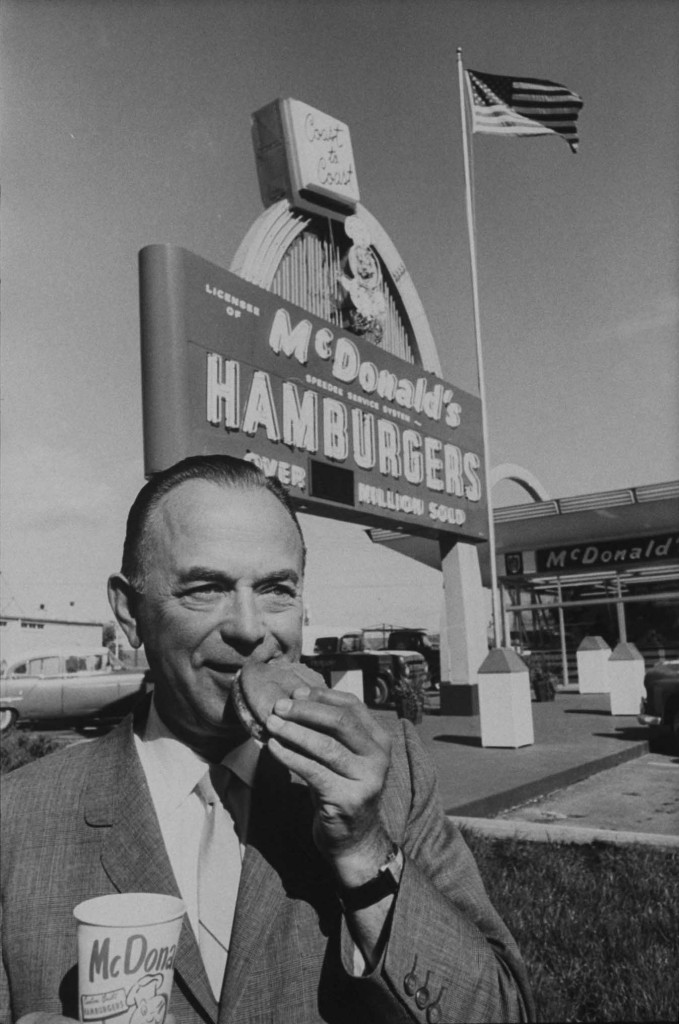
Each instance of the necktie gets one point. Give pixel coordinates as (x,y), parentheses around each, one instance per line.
(219,864)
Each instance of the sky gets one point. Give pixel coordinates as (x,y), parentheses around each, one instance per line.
(127,122)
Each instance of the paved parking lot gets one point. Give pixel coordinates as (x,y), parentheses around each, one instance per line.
(575,737)
(638,796)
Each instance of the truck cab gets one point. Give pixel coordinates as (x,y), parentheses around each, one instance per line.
(425,643)
(382,669)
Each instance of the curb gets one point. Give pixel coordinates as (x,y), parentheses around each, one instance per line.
(535,832)
(496,803)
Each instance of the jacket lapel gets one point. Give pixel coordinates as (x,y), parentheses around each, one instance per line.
(261,889)
(133,853)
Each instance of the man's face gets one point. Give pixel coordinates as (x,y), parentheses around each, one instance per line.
(223,587)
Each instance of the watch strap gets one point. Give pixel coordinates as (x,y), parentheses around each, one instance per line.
(384,883)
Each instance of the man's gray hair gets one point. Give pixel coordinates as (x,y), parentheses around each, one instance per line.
(219,469)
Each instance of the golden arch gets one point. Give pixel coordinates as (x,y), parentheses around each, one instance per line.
(523,477)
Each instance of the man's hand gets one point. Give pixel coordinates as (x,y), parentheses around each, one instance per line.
(331,741)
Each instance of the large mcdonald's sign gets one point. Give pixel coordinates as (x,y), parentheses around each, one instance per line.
(353,431)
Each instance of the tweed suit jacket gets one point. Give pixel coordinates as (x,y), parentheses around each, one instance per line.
(81,823)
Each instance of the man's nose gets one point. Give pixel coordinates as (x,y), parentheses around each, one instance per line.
(243,623)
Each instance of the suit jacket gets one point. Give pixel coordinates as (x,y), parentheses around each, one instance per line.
(81,823)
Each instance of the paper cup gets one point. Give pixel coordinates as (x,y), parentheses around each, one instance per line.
(127,943)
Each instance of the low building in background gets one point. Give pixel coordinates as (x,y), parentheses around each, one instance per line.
(20,633)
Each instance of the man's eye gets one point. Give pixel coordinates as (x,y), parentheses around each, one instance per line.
(205,591)
(281,590)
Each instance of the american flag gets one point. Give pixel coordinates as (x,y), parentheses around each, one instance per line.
(523,106)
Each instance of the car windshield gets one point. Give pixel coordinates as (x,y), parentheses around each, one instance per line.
(410,640)
(351,642)
(373,643)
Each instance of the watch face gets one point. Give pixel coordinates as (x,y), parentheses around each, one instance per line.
(394,865)
(385,883)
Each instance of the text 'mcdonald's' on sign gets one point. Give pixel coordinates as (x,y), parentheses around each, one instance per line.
(354,432)
(622,553)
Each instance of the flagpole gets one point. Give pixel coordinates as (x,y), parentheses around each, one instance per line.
(471,229)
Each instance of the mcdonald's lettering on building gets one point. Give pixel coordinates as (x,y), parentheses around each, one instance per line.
(608,554)
(353,431)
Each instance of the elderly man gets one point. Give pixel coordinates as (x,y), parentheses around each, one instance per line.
(347,897)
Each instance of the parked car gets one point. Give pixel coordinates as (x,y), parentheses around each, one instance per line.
(660,706)
(72,686)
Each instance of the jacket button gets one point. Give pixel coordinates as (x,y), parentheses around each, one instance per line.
(422,995)
(433,1010)
(411,982)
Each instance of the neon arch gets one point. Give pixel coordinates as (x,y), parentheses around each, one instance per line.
(271,237)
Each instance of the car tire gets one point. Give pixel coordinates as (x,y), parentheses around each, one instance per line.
(8,719)
(377,692)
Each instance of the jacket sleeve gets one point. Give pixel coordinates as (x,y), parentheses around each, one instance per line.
(449,957)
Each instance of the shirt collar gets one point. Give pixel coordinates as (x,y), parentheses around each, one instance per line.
(173,769)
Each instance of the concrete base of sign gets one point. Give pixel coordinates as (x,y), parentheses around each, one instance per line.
(504,700)
(459,699)
(593,657)
(626,680)
(350,681)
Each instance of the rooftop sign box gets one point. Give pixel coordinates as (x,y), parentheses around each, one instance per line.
(305,156)
(592,555)
(354,432)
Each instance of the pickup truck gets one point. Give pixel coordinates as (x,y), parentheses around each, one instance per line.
(363,649)
(425,643)
(70,687)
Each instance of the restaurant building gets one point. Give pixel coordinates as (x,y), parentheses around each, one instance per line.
(603,564)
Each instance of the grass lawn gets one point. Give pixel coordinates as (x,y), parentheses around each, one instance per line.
(598,925)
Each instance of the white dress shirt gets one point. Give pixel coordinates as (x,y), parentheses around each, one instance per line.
(172,771)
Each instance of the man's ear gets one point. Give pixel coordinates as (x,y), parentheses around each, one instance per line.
(123,600)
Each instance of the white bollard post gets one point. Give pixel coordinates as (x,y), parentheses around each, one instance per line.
(593,656)
(625,680)
(504,700)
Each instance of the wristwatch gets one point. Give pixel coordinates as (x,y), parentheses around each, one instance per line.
(385,883)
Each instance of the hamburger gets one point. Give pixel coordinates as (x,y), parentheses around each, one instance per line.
(253,701)
(254,707)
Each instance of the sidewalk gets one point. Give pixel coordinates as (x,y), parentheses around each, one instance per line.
(575,736)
